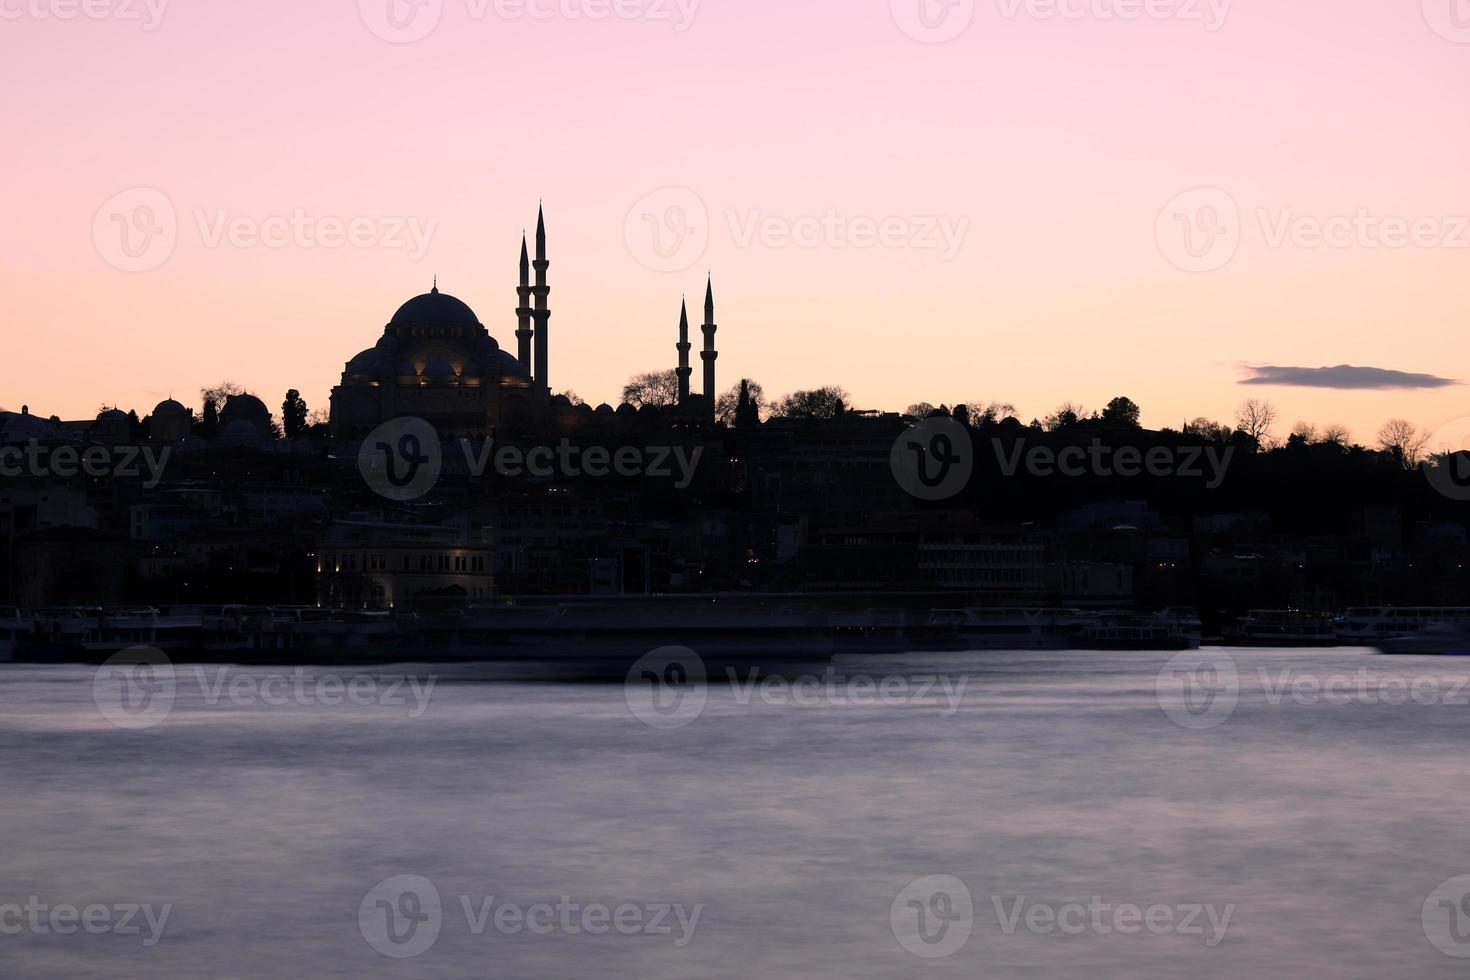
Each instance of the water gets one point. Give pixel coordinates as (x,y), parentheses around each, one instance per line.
(1059,778)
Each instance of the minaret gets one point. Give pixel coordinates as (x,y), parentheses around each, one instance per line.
(684,347)
(542,312)
(523,312)
(709,354)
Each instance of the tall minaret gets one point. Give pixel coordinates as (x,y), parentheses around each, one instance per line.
(684,346)
(542,312)
(709,354)
(523,312)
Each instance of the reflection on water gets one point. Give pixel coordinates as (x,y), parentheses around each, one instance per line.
(1324,823)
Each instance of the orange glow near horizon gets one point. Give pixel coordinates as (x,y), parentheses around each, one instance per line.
(975,220)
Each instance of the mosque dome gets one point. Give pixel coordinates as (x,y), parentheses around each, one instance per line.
(440,371)
(169,407)
(435,309)
(364,363)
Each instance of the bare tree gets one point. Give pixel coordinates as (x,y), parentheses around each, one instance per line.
(1206,429)
(727,404)
(1304,432)
(1337,435)
(1255,418)
(1404,441)
(919,410)
(656,389)
(820,403)
(1067,415)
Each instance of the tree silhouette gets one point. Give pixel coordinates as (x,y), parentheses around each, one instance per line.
(293,414)
(655,389)
(1122,413)
(819,403)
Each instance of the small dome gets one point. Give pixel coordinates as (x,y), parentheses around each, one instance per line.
(626,409)
(169,407)
(113,415)
(244,403)
(561,401)
(364,363)
(240,433)
(440,371)
(604,409)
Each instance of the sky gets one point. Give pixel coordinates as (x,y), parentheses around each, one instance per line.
(1027,201)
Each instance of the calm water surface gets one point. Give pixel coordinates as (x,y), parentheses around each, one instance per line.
(1059,779)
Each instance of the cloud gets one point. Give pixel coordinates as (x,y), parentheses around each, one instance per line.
(1342,376)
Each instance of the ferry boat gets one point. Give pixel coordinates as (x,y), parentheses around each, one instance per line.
(93,633)
(979,628)
(617,630)
(1157,632)
(13,626)
(1438,640)
(1374,625)
(1282,628)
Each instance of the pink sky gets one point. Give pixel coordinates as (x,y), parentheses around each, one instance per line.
(1054,143)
